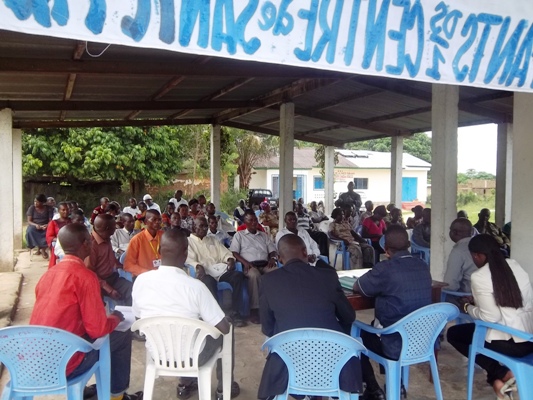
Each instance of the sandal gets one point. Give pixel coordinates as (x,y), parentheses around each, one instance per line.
(509,386)
(45,255)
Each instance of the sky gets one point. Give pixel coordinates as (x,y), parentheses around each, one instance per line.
(477,148)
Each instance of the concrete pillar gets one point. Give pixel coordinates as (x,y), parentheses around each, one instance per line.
(504,174)
(396,171)
(18,210)
(6,188)
(286,158)
(444,121)
(522,189)
(215,166)
(329,179)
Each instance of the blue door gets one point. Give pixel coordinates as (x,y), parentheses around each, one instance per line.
(409,189)
(299,192)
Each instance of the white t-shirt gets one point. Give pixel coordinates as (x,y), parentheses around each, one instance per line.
(132,211)
(177,203)
(169,291)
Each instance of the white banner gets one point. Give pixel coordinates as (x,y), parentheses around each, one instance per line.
(483,43)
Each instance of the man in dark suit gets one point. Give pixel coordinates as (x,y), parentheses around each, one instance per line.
(302,296)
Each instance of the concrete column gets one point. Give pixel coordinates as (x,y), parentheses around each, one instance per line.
(504,174)
(396,171)
(522,189)
(18,210)
(444,120)
(6,189)
(329,179)
(286,158)
(215,166)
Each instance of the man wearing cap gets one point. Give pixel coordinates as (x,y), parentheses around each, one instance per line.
(150,204)
(415,219)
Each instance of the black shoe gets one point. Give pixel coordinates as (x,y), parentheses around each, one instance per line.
(134,396)
(89,391)
(376,394)
(184,392)
(238,321)
(235,391)
(137,336)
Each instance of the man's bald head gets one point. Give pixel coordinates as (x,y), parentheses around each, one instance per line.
(173,249)
(396,239)
(105,225)
(460,228)
(75,240)
(292,247)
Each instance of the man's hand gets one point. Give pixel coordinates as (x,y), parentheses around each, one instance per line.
(118,314)
(272,262)
(200,272)
(247,266)
(311,258)
(115,295)
(231,264)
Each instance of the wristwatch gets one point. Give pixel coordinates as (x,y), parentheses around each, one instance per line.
(465,307)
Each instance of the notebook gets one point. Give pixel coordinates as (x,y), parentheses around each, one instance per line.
(347,282)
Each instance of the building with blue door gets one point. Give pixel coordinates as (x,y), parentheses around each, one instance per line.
(369,170)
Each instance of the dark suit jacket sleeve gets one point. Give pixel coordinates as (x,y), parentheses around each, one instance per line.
(343,309)
(268,321)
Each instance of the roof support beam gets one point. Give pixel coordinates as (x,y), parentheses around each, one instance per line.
(108,123)
(71,80)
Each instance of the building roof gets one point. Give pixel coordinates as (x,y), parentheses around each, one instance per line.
(304,158)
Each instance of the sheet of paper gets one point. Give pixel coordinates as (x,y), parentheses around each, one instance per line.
(129,318)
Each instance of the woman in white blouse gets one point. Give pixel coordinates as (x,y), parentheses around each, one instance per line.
(502,294)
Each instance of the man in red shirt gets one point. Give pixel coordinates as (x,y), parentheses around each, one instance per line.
(104,201)
(102,261)
(68,297)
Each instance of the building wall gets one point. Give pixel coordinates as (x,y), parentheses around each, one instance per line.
(378,182)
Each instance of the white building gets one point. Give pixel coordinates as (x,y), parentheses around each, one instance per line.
(369,170)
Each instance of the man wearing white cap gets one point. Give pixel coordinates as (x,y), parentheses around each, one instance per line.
(150,204)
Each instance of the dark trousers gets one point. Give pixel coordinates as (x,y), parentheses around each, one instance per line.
(321,240)
(236,280)
(378,250)
(211,346)
(121,285)
(120,344)
(460,337)
(373,343)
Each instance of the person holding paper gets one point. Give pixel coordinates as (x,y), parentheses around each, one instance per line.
(68,297)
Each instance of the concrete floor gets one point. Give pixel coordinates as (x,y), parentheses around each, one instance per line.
(250,359)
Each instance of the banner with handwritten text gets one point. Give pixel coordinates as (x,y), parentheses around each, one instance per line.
(483,43)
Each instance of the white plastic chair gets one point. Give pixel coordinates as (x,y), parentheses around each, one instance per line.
(173,346)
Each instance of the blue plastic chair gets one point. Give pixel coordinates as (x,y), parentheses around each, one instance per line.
(314,358)
(340,249)
(522,367)
(419,331)
(462,318)
(122,258)
(382,242)
(359,231)
(37,356)
(423,253)
(221,286)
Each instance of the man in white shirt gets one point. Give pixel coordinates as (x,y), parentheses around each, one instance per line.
(460,264)
(258,255)
(221,236)
(120,240)
(169,291)
(177,199)
(214,263)
(132,208)
(291,228)
(150,203)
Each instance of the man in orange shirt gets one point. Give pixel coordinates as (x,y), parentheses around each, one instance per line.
(143,252)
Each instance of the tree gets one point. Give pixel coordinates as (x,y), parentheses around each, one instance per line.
(418,145)
(131,155)
(320,158)
(464,177)
(252,148)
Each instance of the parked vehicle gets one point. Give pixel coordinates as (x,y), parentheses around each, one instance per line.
(257,196)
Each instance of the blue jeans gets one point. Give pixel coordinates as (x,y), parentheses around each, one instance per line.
(120,343)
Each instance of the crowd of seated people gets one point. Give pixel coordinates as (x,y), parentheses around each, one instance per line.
(135,239)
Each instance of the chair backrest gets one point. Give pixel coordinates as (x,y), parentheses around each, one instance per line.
(382,242)
(314,357)
(175,343)
(37,356)
(422,252)
(419,330)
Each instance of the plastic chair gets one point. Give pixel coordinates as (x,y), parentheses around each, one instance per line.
(382,242)
(314,358)
(340,249)
(37,356)
(421,252)
(522,367)
(221,286)
(122,258)
(173,346)
(359,231)
(419,331)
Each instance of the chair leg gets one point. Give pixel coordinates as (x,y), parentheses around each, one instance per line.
(393,379)
(149,382)
(204,384)
(75,392)
(524,383)
(436,379)
(405,377)
(470,377)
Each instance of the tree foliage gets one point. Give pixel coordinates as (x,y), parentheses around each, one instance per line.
(418,145)
(464,177)
(320,158)
(150,155)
